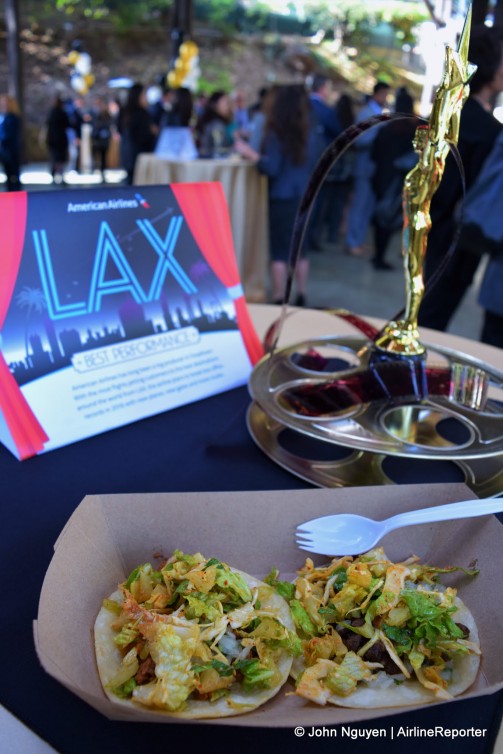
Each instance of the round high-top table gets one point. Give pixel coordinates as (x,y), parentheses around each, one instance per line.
(246,193)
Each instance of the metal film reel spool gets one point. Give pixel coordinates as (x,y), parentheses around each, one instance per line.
(399,426)
(330,465)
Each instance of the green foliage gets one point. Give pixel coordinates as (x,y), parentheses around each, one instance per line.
(123,14)
(400,15)
(355,17)
(213,78)
(91,9)
(229,16)
(220,13)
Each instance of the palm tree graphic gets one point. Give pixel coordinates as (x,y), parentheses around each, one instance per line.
(33,300)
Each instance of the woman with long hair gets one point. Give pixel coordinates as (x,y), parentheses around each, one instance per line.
(214,126)
(289,151)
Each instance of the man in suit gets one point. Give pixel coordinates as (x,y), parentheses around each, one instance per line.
(326,118)
(327,126)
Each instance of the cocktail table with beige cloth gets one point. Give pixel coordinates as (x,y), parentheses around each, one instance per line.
(246,193)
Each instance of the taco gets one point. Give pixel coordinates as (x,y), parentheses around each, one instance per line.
(194,639)
(381,634)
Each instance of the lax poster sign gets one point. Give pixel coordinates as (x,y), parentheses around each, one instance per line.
(115,305)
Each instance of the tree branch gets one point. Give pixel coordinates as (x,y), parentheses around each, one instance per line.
(439,23)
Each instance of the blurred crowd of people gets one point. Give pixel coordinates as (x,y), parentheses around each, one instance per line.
(284,133)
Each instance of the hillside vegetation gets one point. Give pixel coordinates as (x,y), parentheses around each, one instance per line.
(244,62)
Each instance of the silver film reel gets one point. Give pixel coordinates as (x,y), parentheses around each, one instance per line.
(330,413)
(326,464)
(448,406)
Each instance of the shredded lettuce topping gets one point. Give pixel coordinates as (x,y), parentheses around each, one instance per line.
(193,629)
(364,616)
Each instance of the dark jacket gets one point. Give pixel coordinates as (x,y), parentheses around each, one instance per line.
(392,141)
(137,136)
(477,134)
(491,289)
(57,139)
(102,129)
(326,120)
(216,138)
(393,156)
(10,139)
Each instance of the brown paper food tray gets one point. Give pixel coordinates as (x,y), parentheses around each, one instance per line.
(107,536)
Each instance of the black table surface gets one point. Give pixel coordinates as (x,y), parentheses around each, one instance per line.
(201,447)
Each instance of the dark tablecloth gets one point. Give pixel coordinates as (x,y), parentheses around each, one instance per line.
(204,446)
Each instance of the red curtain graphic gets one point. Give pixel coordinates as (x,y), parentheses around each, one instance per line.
(205,211)
(28,435)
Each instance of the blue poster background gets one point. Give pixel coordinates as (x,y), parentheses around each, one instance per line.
(106,266)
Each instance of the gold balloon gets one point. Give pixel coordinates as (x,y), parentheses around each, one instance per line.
(89,79)
(181,66)
(173,79)
(73,57)
(188,50)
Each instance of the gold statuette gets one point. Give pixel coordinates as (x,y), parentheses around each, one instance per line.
(431,142)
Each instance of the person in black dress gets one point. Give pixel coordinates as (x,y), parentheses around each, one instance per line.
(214,128)
(58,124)
(101,135)
(138,132)
(289,151)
